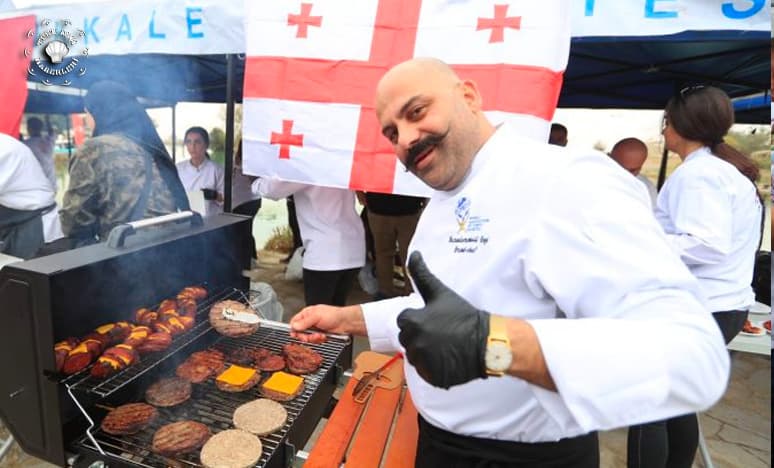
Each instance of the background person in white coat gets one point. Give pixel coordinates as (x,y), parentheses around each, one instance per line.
(332,235)
(28,215)
(712,215)
(631,154)
(200,173)
(500,368)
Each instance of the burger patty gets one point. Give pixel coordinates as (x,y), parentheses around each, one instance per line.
(179,438)
(261,417)
(129,419)
(231,448)
(242,356)
(232,328)
(301,359)
(267,361)
(170,391)
(201,365)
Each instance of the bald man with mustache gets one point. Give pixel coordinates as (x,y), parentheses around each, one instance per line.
(519,241)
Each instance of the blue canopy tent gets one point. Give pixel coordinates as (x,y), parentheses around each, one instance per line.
(643,72)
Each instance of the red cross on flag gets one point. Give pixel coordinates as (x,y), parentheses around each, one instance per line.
(313,65)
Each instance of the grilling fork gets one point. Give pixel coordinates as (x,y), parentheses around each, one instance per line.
(367,379)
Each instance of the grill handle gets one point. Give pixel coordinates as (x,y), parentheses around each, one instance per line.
(118,234)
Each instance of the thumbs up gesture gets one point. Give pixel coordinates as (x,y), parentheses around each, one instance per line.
(445,340)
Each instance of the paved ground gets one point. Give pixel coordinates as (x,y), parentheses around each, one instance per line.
(737,429)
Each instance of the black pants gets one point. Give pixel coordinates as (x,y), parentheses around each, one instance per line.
(328,287)
(249,209)
(672,443)
(293,223)
(438,448)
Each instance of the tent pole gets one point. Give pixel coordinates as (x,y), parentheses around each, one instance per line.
(662,170)
(174,135)
(229,156)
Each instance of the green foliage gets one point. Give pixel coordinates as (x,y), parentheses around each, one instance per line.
(217,140)
(281,240)
(218,157)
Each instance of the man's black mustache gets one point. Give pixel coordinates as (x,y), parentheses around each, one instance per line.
(421,146)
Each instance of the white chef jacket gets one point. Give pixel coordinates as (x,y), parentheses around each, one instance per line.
(24,185)
(712,217)
(331,230)
(541,232)
(209,175)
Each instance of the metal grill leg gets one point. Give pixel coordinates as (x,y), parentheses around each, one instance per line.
(6,445)
(703,449)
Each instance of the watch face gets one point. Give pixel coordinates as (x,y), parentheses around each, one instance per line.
(498,357)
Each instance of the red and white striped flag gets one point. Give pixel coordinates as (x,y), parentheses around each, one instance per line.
(313,65)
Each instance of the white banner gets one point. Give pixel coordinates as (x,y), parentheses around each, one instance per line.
(662,17)
(152,26)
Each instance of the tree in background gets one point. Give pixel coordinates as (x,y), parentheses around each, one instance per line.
(217,140)
(217,145)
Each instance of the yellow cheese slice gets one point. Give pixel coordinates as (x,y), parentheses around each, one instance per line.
(81,348)
(283,382)
(105,328)
(236,375)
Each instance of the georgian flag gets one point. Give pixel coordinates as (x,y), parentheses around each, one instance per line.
(312,69)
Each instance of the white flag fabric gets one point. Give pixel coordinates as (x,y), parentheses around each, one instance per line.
(312,69)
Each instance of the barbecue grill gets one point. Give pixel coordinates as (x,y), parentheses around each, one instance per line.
(48,299)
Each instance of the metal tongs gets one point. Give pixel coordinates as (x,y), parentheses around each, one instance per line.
(368,379)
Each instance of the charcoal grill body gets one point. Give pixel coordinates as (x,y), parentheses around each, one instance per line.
(48,299)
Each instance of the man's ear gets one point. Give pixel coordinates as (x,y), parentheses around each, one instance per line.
(471,95)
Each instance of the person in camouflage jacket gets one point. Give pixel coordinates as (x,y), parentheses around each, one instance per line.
(108,173)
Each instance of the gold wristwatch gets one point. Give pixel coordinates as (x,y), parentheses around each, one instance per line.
(498,347)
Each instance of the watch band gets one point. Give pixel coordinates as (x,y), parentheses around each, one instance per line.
(498,336)
(497,330)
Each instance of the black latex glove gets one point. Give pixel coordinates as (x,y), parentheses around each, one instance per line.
(210,194)
(446,340)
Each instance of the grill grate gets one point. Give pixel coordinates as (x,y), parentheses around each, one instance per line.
(215,408)
(84,382)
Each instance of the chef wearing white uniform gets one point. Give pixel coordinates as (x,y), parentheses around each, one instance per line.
(28,214)
(560,310)
(712,215)
(332,233)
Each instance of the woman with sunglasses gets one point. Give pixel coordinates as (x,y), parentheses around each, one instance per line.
(711,212)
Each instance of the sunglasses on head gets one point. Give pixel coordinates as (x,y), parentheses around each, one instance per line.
(688,90)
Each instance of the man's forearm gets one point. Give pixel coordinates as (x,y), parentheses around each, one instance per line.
(528,362)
